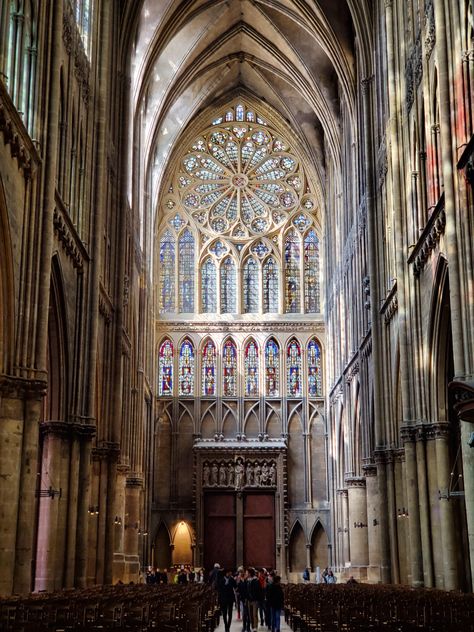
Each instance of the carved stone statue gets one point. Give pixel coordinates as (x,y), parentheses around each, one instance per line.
(222,475)
(257,474)
(206,473)
(273,474)
(214,474)
(230,475)
(239,474)
(249,475)
(264,474)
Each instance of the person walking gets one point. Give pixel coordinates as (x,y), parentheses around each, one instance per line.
(226,585)
(254,598)
(275,599)
(243,598)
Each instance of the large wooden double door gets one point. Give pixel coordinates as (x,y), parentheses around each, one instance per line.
(239,529)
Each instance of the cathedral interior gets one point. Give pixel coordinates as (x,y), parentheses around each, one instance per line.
(237,289)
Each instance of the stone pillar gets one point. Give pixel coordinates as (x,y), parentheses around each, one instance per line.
(119,524)
(84,501)
(392,519)
(357,502)
(27,524)
(308,556)
(425,527)
(11,437)
(414,533)
(373,523)
(449,537)
(343,529)
(132,525)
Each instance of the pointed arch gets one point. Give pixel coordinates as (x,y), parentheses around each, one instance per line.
(7,320)
(208,368)
(313,364)
(229,368)
(311,272)
(162,547)
(186,254)
(251,369)
(293,368)
(319,547)
(228,283)
(251,286)
(292,272)
(165,368)
(297,548)
(271,286)
(186,364)
(167,272)
(272,368)
(208,287)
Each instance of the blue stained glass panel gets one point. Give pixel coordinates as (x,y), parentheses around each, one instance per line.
(165,373)
(229,369)
(293,365)
(315,388)
(228,287)
(251,286)
(251,369)
(167,273)
(208,368)
(270,286)
(292,273)
(311,273)
(186,368)
(186,272)
(209,287)
(272,369)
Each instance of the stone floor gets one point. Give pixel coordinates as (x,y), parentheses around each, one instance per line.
(237,625)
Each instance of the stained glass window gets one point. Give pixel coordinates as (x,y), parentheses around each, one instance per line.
(272,368)
(166,368)
(251,369)
(186,272)
(251,286)
(208,369)
(186,368)
(228,287)
(209,287)
(314,370)
(292,273)
(270,286)
(293,367)
(229,369)
(167,273)
(311,272)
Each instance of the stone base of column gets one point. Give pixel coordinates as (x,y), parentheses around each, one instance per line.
(131,571)
(360,573)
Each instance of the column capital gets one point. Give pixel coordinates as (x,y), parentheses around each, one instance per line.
(29,388)
(355,481)
(463,392)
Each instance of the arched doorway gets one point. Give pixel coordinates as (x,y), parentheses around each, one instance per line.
(162,556)
(319,547)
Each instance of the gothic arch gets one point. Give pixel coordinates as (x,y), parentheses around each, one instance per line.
(319,546)
(297,548)
(162,546)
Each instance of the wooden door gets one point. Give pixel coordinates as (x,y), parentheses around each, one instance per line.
(259,530)
(219,530)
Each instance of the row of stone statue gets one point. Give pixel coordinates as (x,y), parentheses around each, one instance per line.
(239,474)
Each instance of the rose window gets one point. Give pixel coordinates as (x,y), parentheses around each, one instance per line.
(240,181)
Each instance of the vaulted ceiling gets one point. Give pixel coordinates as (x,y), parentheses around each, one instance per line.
(297,56)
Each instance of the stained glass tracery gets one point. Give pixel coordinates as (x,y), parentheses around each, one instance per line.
(272,368)
(208,287)
(311,272)
(292,273)
(167,272)
(186,272)
(271,289)
(186,368)
(314,369)
(228,287)
(229,369)
(293,367)
(165,373)
(251,369)
(208,369)
(251,286)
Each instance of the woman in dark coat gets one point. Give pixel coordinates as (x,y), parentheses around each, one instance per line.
(275,600)
(225,588)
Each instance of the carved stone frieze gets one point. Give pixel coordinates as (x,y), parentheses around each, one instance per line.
(315,327)
(17,387)
(355,481)
(413,72)
(74,47)
(429,238)
(240,473)
(430,28)
(67,239)
(464,399)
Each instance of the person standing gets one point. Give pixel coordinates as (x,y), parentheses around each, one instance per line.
(243,598)
(254,598)
(275,599)
(306,575)
(225,588)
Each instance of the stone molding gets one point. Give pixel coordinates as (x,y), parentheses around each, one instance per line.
(313,327)
(429,238)
(430,28)
(135,481)
(19,387)
(16,136)
(390,305)
(355,481)
(370,470)
(74,47)
(106,450)
(68,236)
(464,399)
(341,492)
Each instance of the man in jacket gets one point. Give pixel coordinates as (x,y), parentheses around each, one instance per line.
(225,588)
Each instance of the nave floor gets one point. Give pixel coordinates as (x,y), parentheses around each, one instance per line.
(236,625)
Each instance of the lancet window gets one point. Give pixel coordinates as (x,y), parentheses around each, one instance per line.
(272,368)
(292,273)
(165,373)
(228,287)
(251,369)
(186,368)
(271,286)
(209,287)
(293,364)
(314,369)
(168,272)
(208,374)
(229,369)
(186,272)
(311,272)
(251,286)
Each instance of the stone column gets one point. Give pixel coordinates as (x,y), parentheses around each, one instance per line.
(392,519)
(119,523)
(373,523)
(344,545)
(449,537)
(132,525)
(357,501)
(27,524)
(414,534)
(84,493)
(425,526)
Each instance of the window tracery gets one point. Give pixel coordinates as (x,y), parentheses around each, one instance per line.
(208,363)
(186,272)
(251,369)
(229,369)
(166,368)
(272,368)
(238,186)
(186,368)
(293,355)
(314,369)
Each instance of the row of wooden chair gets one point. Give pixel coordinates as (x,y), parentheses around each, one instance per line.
(372,608)
(136,608)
